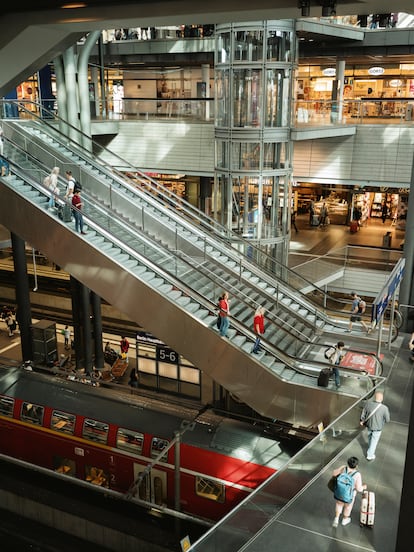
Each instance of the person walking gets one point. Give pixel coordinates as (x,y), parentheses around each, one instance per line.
(133,378)
(357,310)
(258,324)
(374,416)
(66,336)
(77,212)
(224,312)
(311,212)
(323,215)
(348,483)
(293,221)
(52,182)
(11,323)
(335,360)
(384,212)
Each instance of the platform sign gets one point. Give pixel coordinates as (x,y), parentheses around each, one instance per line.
(383,298)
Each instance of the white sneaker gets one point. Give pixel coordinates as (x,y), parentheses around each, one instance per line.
(335,522)
(346,521)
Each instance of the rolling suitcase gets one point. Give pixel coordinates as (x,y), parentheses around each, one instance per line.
(66,213)
(353,226)
(323,378)
(367,516)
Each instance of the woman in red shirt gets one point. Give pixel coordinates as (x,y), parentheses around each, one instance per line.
(258,324)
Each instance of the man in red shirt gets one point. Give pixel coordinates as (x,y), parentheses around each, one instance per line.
(258,324)
(124,344)
(77,205)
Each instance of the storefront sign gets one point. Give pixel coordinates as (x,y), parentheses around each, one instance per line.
(376,71)
(329,72)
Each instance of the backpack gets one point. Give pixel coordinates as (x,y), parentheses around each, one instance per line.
(344,487)
(329,352)
(77,187)
(362,306)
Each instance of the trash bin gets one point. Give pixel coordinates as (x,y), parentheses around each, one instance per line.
(409,112)
(386,240)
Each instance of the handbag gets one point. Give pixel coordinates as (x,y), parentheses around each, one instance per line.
(332,483)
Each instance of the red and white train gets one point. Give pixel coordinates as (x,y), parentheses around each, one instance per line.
(108,439)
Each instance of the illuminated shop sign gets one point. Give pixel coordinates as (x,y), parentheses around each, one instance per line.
(376,71)
(329,72)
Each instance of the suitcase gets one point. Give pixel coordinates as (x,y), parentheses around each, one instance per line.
(367,516)
(323,378)
(315,220)
(66,213)
(353,226)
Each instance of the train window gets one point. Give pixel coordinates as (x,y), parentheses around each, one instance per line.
(157,446)
(96,476)
(95,431)
(63,422)
(32,413)
(209,489)
(129,440)
(6,406)
(64,465)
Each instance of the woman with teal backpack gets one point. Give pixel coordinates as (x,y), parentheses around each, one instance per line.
(348,483)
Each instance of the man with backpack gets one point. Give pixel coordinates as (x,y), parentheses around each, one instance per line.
(357,310)
(348,482)
(335,354)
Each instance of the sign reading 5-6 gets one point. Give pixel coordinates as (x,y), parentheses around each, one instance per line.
(165,354)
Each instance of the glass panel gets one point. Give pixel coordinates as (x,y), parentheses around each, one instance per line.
(167,370)
(95,431)
(222,155)
(247,97)
(278,46)
(143,349)
(96,476)
(223,47)
(248,46)
(185,361)
(157,446)
(6,406)
(210,489)
(32,413)
(274,97)
(64,465)
(147,365)
(63,422)
(222,98)
(191,375)
(245,156)
(129,440)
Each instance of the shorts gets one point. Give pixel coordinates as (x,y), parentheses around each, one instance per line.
(355,318)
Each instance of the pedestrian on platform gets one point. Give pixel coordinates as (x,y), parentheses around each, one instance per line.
(374,416)
(124,346)
(133,378)
(66,335)
(323,215)
(345,500)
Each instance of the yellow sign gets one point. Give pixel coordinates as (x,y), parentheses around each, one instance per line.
(185,544)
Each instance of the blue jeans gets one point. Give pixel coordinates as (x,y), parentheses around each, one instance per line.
(373,438)
(256,345)
(336,376)
(78,220)
(225,323)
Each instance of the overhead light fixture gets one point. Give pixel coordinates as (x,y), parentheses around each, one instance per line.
(304,6)
(73,5)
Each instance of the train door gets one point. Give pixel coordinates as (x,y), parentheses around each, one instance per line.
(153,488)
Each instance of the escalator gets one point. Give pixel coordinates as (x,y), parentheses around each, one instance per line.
(174,297)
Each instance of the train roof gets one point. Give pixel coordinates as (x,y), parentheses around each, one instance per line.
(210,431)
